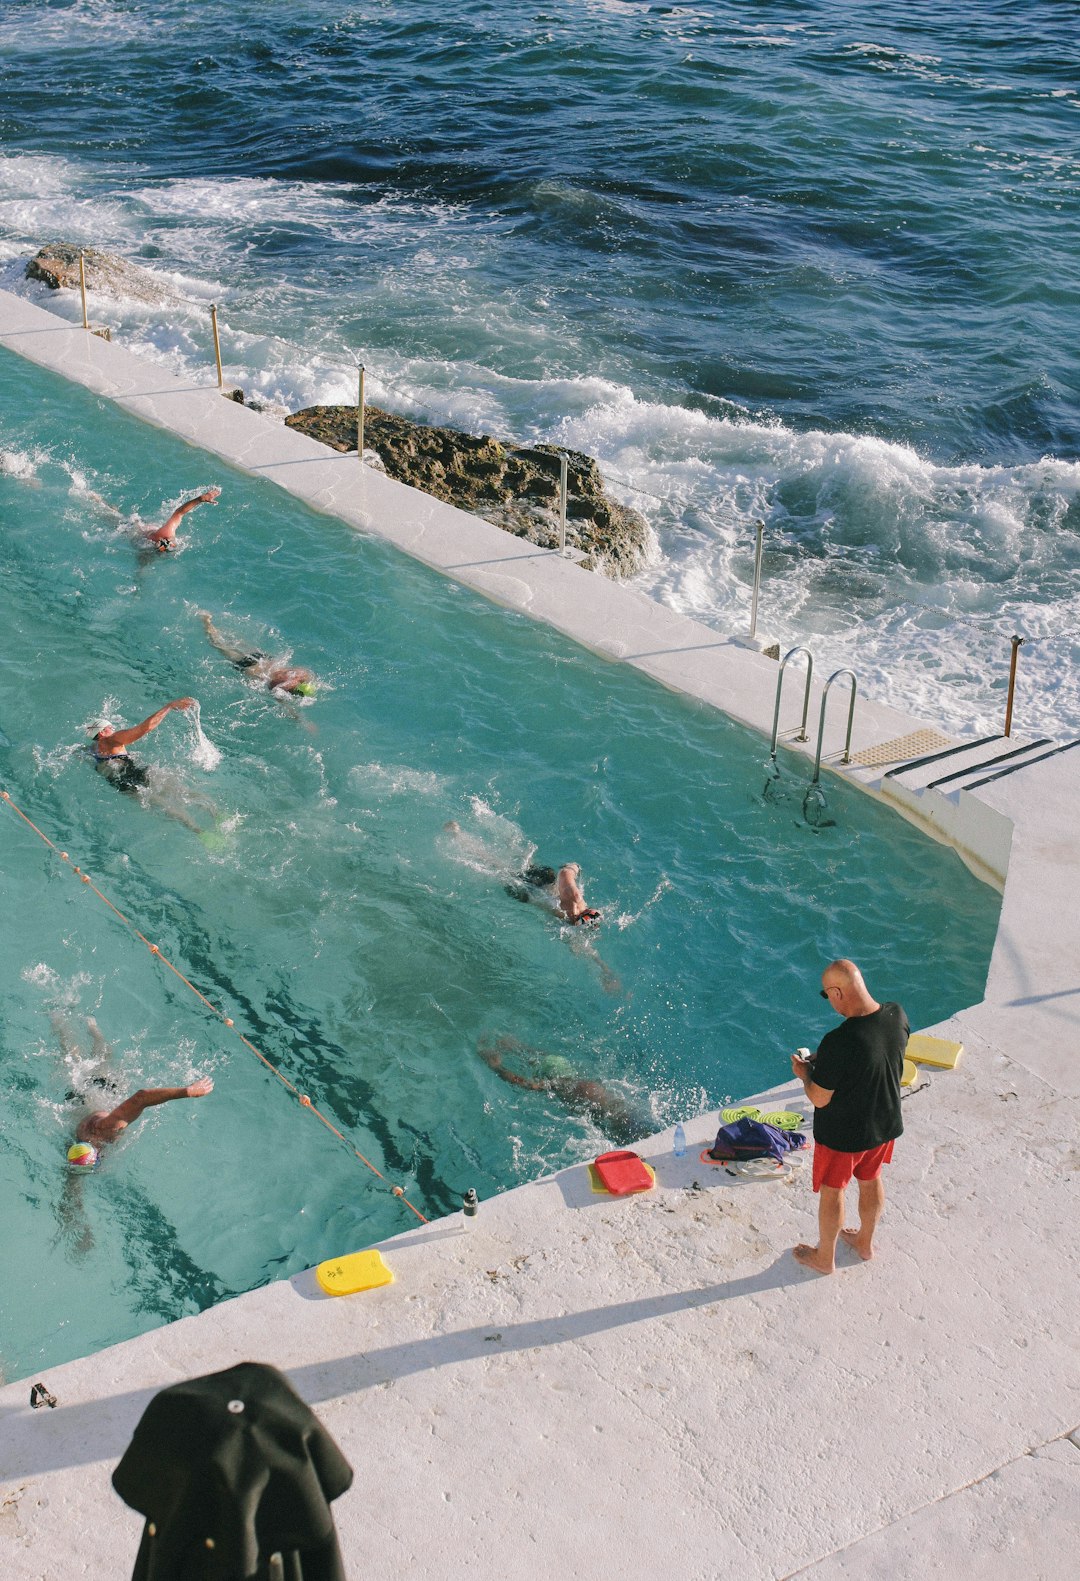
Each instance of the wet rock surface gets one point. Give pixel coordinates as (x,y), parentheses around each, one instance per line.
(57,265)
(515,487)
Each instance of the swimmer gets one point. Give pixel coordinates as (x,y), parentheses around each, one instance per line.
(114,762)
(163,538)
(259,667)
(117,765)
(101,1126)
(108,1125)
(605,1108)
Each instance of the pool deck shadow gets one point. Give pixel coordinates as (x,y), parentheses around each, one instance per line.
(655,1384)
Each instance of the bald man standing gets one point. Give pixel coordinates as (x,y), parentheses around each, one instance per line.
(853,1083)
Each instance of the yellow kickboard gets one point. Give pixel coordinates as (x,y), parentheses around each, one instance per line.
(345,1276)
(926,1050)
(910,1073)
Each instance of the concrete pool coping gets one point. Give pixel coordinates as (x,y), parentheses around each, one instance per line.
(655,1382)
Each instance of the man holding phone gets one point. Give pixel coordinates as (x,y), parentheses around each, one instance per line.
(853,1083)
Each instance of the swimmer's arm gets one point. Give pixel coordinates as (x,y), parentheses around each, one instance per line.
(218,641)
(491,1057)
(169,527)
(149,1097)
(124,738)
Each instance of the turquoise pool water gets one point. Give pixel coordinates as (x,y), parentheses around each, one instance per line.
(367,951)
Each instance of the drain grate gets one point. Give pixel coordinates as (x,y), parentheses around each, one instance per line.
(902,747)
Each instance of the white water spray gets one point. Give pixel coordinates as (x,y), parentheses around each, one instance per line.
(204,754)
(627,918)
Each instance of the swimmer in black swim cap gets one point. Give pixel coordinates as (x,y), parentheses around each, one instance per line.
(162,538)
(571,900)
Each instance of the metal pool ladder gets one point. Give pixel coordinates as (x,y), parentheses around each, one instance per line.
(815,796)
(779,689)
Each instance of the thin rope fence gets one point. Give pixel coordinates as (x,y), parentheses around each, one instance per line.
(304,1101)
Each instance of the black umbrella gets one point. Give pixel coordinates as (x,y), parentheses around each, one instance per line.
(231,1470)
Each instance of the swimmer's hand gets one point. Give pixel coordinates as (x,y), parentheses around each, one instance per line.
(182,702)
(200,1088)
(211,496)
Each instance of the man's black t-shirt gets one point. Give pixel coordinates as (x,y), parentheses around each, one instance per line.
(860,1063)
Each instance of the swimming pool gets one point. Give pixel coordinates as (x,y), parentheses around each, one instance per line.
(363,948)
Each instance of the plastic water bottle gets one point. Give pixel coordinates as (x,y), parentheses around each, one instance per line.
(469,1204)
(678,1141)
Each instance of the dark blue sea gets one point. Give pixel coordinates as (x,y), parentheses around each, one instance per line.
(814,264)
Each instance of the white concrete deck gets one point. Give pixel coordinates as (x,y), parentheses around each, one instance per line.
(653,1386)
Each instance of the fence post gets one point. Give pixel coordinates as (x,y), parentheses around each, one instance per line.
(760,528)
(217,346)
(1017,644)
(82,287)
(563,471)
(360,411)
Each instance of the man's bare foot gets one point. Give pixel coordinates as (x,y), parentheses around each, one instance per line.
(812,1257)
(851,1238)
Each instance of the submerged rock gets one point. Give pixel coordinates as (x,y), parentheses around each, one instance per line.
(516,487)
(57,265)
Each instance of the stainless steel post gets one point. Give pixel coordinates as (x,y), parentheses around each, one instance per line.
(563,472)
(82,288)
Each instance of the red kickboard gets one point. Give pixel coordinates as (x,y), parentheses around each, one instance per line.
(623,1173)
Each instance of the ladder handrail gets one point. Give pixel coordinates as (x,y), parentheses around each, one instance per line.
(806,696)
(835,676)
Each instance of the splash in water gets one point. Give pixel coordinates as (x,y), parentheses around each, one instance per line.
(204,754)
(627,918)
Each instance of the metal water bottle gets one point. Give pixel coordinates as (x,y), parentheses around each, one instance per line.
(469,1204)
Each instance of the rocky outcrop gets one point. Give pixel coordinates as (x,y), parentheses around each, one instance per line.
(514,486)
(57,265)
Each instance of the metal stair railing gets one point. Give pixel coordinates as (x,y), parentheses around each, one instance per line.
(802,736)
(835,676)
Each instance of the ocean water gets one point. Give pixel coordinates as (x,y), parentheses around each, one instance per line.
(813,265)
(368,951)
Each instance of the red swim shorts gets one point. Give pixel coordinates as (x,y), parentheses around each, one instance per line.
(836,1169)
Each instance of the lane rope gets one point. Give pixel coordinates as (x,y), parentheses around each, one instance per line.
(304,1101)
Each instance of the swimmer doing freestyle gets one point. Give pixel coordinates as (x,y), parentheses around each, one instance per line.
(259,667)
(111,757)
(580,1094)
(562,889)
(163,538)
(101,1126)
(115,763)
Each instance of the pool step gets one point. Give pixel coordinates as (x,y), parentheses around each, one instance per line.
(962,767)
(927,790)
